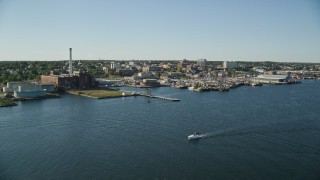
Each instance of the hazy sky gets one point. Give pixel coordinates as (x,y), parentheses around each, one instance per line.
(243,30)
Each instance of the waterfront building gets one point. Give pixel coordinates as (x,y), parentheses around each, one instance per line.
(29,91)
(73,80)
(48,87)
(24,90)
(272,79)
(79,80)
(230,64)
(12,86)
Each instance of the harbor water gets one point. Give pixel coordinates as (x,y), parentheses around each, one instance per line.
(268,132)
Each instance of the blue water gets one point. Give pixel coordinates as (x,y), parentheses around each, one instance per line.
(269,132)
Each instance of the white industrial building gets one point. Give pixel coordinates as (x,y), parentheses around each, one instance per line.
(12,86)
(230,64)
(29,91)
(272,79)
(26,90)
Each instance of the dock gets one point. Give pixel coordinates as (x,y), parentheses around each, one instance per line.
(165,98)
(159,97)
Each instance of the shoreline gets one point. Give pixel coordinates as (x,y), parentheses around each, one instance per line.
(10,105)
(47,96)
(121,93)
(14,100)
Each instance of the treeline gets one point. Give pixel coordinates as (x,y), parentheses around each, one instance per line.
(26,70)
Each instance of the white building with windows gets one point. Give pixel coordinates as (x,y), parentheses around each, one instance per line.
(29,91)
(12,86)
(24,90)
(230,64)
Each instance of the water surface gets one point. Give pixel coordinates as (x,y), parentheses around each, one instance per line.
(269,132)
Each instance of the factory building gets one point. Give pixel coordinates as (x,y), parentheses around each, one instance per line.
(73,80)
(79,80)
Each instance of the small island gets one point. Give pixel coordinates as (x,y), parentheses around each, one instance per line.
(5,102)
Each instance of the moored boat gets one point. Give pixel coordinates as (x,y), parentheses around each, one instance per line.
(191,88)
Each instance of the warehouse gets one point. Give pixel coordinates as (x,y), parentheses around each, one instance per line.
(29,91)
(273,79)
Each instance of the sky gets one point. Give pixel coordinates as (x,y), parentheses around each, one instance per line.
(217,30)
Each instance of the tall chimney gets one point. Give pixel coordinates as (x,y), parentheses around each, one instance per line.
(70,63)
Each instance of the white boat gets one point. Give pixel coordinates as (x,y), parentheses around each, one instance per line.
(194,136)
(191,88)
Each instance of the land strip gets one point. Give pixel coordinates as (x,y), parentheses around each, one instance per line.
(100,94)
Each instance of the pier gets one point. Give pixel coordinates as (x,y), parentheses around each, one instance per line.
(158,97)
(165,98)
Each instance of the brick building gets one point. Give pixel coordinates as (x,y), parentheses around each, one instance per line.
(77,81)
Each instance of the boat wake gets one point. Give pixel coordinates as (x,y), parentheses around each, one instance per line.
(218,134)
(258,131)
(197,136)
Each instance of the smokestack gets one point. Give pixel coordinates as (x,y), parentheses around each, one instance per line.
(70,63)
